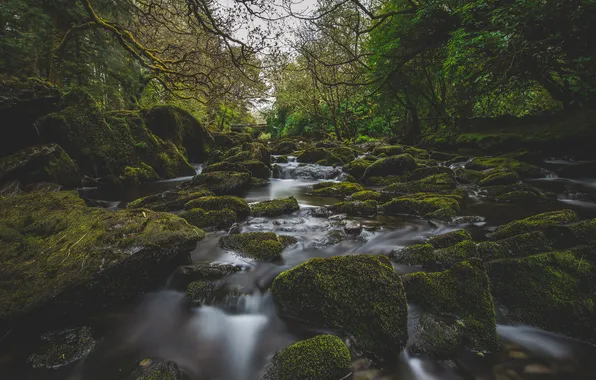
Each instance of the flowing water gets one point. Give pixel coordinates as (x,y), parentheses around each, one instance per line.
(236,338)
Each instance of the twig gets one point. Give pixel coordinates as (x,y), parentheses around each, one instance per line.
(69,248)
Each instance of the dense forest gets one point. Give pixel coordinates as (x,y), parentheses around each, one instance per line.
(297,189)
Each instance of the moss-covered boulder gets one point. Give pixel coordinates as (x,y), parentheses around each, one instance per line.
(417,153)
(216,219)
(170,200)
(223,183)
(263,246)
(522,245)
(555,291)
(204,271)
(59,256)
(500,177)
(324,357)
(462,292)
(336,189)
(62,347)
(357,168)
(225,166)
(356,208)
(523,169)
(534,223)
(516,193)
(280,159)
(570,235)
(436,337)
(45,163)
(449,239)
(249,151)
(359,295)
(366,195)
(394,165)
(209,203)
(284,147)
(275,207)
(388,150)
(180,127)
(428,171)
(256,168)
(432,184)
(138,174)
(427,205)
(322,156)
(345,153)
(427,256)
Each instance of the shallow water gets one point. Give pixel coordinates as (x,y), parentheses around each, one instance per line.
(235,339)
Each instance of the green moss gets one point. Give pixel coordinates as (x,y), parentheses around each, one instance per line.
(170,200)
(46,163)
(388,150)
(366,195)
(218,219)
(223,183)
(62,347)
(433,184)
(499,177)
(356,208)
(417,153)
(359,295)
(225,166)
(264,246)
(199,292)
(534,223)
(427,256)
(256,168)
(521,168)
(63,252)
(209,203)
(324,357)
(462,292)
(516,246)
(275,207)
(436,338)
(449,239)
(468,176)
(314,155)
(249,151)
(394,165)
(281,160)
(425,205)
(428,171)
(284,147)
(555,291)
(583,232)
(137,175)
(158,371)
(336,189)
(357,168)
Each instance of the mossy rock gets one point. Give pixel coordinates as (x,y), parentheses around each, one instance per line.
(249,151)
(516,193)
(567,236)
(225,166)
(324,357)
(223,183)
(180,127)
(394,165)
(534,223)
(229,140)
(432,184)
(427,256)
(155,370)
(359,295)
(428,171)
(469,176)
(256,168)
(217,219)
(199,292)
(555,291)
(62,347)
(357,168)
(434,206)
(336,189)
(523,169)
(345,153)
(356,208)
(418,153)
(210,203)
(449,239)
(366,195)
(388,150)
(275,207)
(58,256)
(46,163)
(284,147)
(276,172)
(462,292)
(138,174)
(263,246)
(500,177)
(170,200)
(516,246)
(315,155)
(206,271)
(280,159)
(436,337)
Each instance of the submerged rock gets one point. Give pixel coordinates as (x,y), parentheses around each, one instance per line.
(462,292)
(223,183)
(170,200)
(62,347)
(59,256)
(336,189)
(555,291)
(275,207)
(534,223)
(264,246)
(324,357)
(359,295)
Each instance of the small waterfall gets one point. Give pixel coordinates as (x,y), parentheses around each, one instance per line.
(417,368)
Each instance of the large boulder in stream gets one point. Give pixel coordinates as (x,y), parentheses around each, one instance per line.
(218,203)
(336,189)
(223,183)
(357,168)
(431,184)
(58,256)
(324,357)
(555,291)
(427,205)
(275,207)
(170,200)
(360,296)
(263,246)
(539,222)
(249,151)
(394,165)
(463,293)
(523,169)
(321,156)
(215,219)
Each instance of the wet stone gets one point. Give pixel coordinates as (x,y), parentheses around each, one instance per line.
(353,227)
(62,347)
